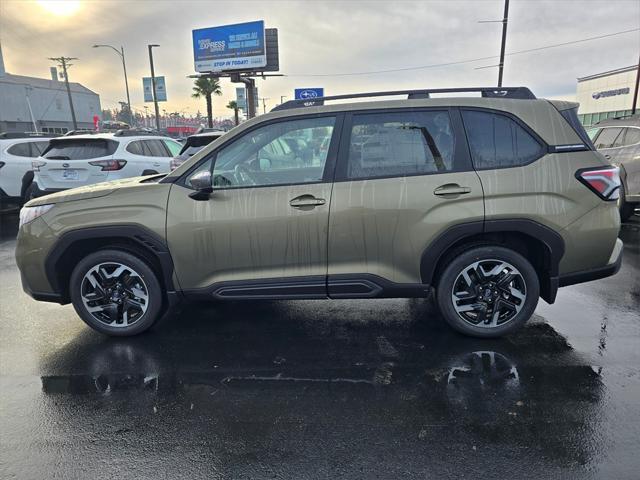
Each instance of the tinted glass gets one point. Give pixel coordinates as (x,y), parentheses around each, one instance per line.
(174,147)
(20,150)
(398,144)
(607,137)
(38,147)
(156,148)
(135,148)
(631,136)
(497,141)
(263,156)
(80,149)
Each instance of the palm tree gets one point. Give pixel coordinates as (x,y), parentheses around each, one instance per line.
(233,105)
(206,87)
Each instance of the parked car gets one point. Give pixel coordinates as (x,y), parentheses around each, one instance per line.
(75,161)
(618,139)
(193,144)
(489,202)
(16,153)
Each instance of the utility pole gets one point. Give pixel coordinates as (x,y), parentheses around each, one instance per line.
(635,91)
(126,81)
(153,86)
(505,20)
(63,63)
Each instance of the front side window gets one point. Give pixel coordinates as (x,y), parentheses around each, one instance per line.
(173,147)
(497,141)
(607,137)
(400,144)
(631,136)
(265,156)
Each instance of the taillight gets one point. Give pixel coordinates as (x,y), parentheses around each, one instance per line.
(603,181)
(109,165)
(36,164)
(174,163)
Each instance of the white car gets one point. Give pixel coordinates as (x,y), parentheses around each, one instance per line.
(76,161)
(16,155)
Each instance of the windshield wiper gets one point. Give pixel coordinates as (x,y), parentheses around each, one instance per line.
(58,157)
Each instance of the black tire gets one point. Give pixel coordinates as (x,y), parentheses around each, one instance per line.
(30,193)
(144,272)
(626,209)
(454,268)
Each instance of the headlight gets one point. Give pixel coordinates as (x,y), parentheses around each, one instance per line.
(29,214)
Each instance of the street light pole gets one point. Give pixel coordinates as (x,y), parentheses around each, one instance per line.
(63,63)
(505,19)
(153,86)
(126,81)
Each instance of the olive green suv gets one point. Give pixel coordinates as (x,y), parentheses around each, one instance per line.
(490,202)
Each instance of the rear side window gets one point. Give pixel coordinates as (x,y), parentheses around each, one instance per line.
(80,149)
(607,137)
(497,141)
(155,148)
(173,147)
(400,144)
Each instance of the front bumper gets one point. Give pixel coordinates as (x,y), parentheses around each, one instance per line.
(611,268)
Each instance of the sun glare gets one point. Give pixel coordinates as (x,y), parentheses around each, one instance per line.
(61,8)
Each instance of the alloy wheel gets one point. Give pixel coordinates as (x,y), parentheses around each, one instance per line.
(488,293)
(114,294)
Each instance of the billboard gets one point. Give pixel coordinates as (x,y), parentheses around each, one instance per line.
(308,93)
(241,98)
(161,89)
(230,47)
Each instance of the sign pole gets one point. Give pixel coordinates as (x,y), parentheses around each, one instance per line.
(153,86)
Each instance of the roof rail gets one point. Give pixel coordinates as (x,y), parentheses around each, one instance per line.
(521,93)
(5,135)
(126,132)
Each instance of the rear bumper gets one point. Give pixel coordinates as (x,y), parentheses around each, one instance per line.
(611,268)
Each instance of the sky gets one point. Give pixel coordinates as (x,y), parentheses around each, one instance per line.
(321,41)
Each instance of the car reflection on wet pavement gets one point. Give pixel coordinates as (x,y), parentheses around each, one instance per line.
(324,389)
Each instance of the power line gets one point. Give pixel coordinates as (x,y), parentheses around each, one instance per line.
(462,62)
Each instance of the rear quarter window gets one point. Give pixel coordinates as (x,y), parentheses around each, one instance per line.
(498,141)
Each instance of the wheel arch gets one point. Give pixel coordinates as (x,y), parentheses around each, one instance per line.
(541,245)
(137,240)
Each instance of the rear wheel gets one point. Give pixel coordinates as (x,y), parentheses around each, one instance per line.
(116,293)
(488,291)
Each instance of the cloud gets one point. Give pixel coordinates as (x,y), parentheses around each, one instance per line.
(319,37)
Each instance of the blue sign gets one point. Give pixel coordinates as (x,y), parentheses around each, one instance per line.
(230,47)
(308,93)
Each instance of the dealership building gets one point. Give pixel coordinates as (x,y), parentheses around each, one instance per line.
(28,100)
(606,95)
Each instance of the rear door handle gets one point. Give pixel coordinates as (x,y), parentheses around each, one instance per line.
(451,189)
(306,201)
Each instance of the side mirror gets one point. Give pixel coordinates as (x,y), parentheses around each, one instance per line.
(201,181)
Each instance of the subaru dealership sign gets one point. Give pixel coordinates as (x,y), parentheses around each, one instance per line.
(230,47)
(308,93)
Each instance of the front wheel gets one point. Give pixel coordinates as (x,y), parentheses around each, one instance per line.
(116,293)
(488,291)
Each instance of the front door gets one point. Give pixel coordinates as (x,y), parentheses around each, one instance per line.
(263,231)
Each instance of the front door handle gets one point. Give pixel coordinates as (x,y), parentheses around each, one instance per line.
(306,201)
(451,189)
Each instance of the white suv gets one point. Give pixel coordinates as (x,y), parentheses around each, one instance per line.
(75,161)
(16,155)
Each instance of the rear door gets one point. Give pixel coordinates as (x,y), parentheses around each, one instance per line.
(66,163)
(625,152)
(403,177)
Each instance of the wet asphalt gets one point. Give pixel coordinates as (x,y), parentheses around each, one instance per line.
(323,389)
